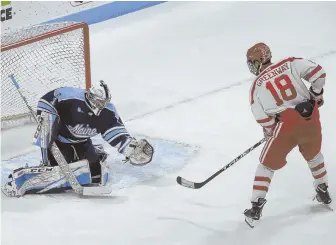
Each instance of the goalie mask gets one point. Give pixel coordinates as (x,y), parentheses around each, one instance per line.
(97,97)
(257,56)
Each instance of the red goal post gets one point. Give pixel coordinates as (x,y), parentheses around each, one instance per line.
(41,58)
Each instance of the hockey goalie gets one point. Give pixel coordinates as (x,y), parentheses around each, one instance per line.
(68,117)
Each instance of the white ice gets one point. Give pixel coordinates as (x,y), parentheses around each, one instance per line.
(177,72)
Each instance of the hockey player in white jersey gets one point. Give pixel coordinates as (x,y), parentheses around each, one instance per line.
(69,117)
(288,112)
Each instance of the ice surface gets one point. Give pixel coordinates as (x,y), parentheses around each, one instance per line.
(194,53)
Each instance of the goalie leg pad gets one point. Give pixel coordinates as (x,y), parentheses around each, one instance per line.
(46,132)
(46,129)
(43,179)
(104,173)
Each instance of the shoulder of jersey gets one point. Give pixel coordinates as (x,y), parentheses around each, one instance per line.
(278,63)
(66,93)
(110,107)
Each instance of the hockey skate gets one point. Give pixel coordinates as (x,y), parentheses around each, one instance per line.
(322,195)
(253,214)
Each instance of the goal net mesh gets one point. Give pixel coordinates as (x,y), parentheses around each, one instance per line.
(40,58)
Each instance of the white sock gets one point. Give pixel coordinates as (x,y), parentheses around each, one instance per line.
(318,170)
(262,180)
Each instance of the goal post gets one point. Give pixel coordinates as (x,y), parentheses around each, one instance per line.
(41,58)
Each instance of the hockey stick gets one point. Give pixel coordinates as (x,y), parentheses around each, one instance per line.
(198,185)
(62,163)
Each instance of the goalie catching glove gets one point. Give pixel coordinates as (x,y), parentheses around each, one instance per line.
(138,153)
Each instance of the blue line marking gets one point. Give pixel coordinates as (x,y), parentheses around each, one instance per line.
(107,11)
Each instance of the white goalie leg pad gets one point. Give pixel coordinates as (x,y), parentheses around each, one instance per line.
(41,179)
(45,132)
(47,123)
(139,153)
(104,172)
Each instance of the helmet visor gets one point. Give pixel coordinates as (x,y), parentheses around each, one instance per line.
(254,67)
(100,104)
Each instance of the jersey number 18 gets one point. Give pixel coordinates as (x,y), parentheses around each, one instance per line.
(287,89)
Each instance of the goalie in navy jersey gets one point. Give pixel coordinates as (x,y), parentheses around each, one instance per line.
(69,117)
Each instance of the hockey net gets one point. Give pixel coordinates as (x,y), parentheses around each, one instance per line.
(41,58)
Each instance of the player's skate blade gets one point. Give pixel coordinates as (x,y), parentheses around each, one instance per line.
(322,196)
(254,214)
(325,205)
(250,222)
(96,190)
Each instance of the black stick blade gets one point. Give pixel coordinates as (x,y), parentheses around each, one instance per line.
(185,183)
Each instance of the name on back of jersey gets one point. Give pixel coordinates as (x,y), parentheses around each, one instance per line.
(272,73)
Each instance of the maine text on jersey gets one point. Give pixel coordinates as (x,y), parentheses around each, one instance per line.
(81,130)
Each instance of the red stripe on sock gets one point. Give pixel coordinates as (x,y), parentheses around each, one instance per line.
(318,167)
(260,188)
(320,175)
(261,178)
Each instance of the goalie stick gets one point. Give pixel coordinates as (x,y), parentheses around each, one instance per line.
(198,185)
(62,163)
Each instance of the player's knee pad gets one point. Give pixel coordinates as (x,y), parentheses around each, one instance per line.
(44,179)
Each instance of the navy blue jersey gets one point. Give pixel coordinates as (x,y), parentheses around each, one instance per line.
(78,123)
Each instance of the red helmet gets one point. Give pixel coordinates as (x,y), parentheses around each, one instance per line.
(258,55)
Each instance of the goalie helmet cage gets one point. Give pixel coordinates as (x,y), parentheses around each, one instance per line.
(41,58)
